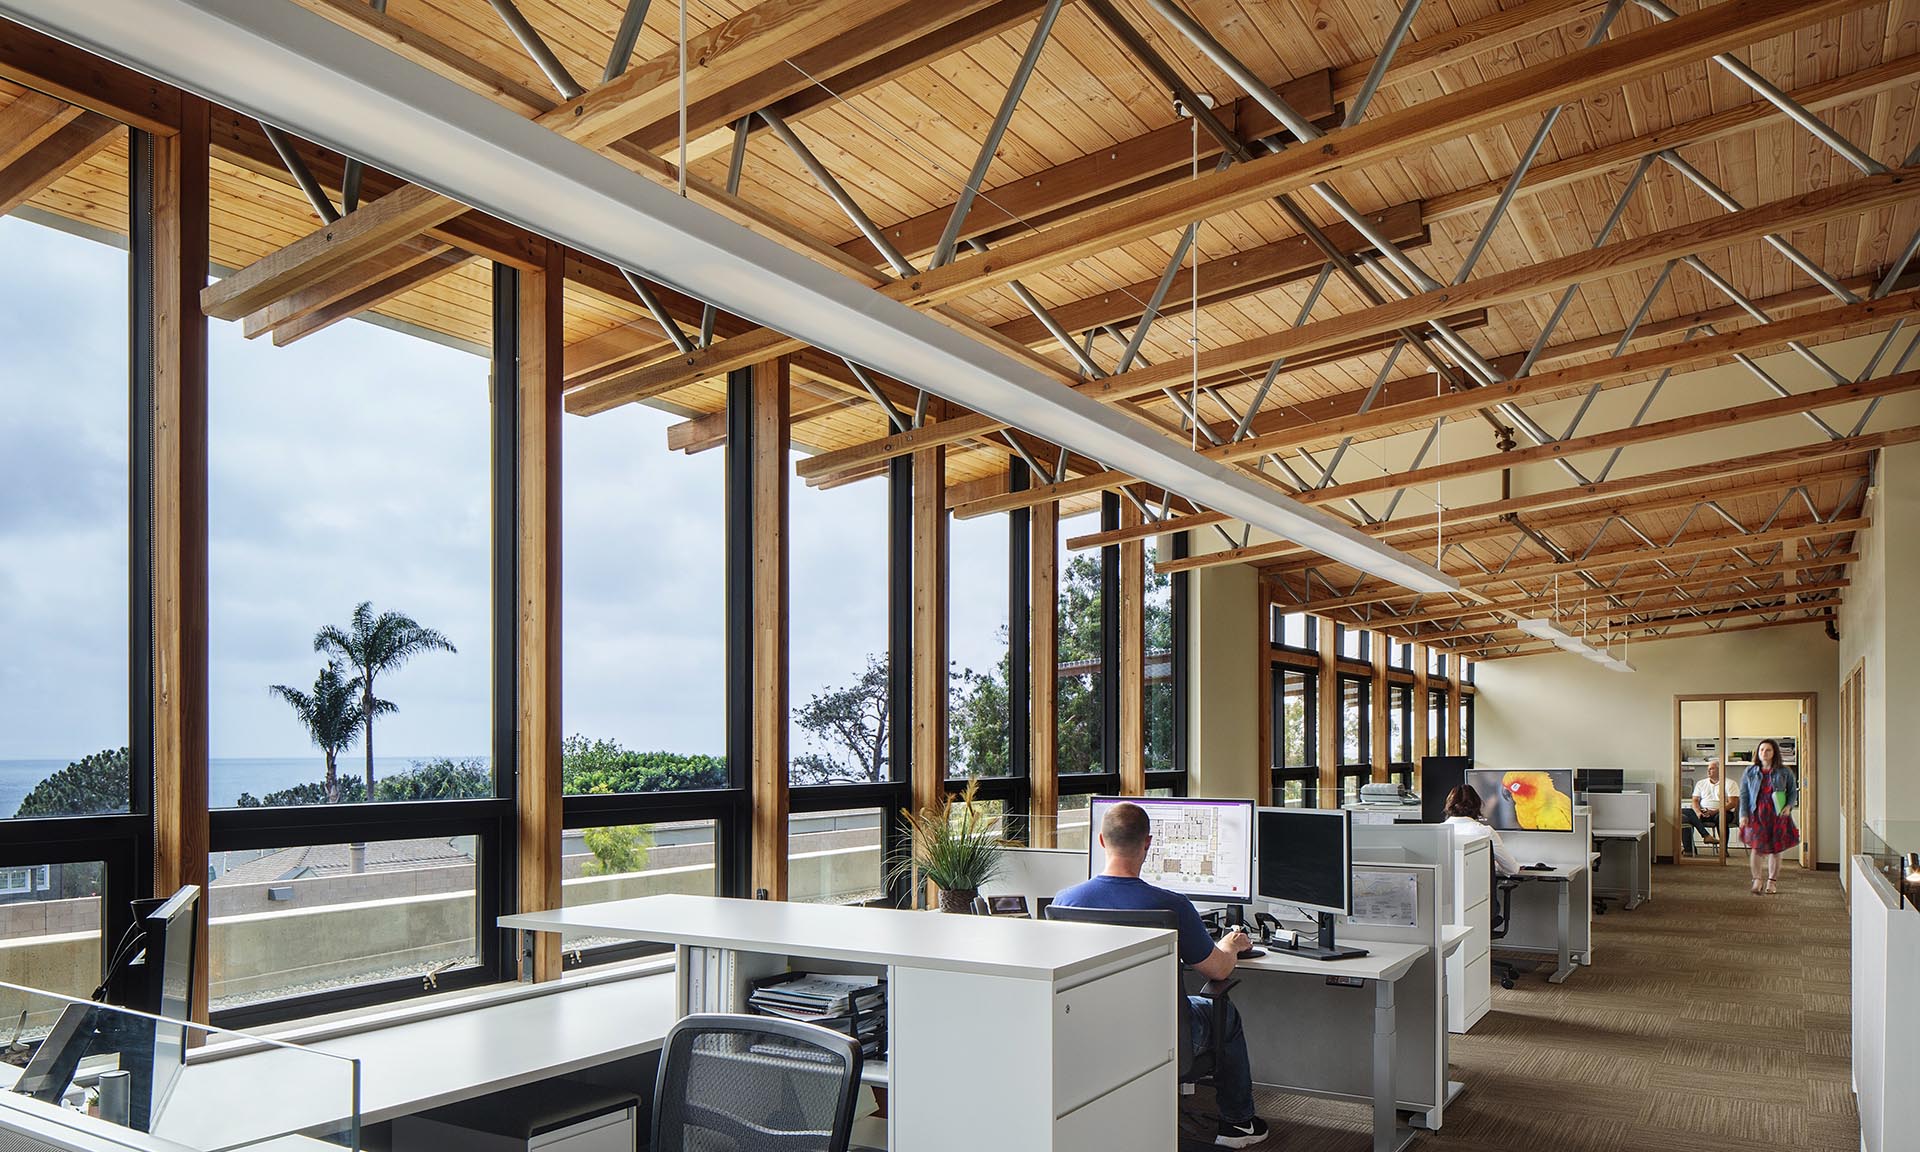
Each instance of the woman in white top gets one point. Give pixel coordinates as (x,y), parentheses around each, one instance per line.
(1463,813)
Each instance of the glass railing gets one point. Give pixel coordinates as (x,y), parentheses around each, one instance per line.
(108,1074)
(1888,843)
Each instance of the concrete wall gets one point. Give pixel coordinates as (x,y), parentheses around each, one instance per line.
(1880,630)
(1223,699)
(1563,711)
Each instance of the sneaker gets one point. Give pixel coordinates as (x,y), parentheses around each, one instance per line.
(1245,1135)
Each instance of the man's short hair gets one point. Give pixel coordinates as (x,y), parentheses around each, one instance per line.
(1124,829)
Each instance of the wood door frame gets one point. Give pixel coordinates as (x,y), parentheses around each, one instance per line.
(1853,691)
(1806,766)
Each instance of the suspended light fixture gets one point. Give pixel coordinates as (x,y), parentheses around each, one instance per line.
(285,65)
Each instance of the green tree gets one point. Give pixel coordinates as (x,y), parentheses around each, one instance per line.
(88,786)
(345,790)
(617,849)
(331,716)
(372,645)
(1080,680)
(442,779)
(589,766)
(1159,650)
(980,719)
(852,724)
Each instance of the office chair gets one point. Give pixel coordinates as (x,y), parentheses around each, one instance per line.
(1501,916)
(755,1084)
(1195,1067)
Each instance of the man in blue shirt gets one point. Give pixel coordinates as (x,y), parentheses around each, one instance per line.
(1125,833)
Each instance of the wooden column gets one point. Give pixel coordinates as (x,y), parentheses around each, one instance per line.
(1420,685)
(768,771)
(539,383)
(929,626)
(1263,669)
(1133,659)
(1043,794)
(180,826)
(1380,647)
(1456,739)
(1330,713)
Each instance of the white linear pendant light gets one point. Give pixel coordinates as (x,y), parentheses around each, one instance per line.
(290,67)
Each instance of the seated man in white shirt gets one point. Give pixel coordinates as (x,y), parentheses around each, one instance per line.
(1702,811)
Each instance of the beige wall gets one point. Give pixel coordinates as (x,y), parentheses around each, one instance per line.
(1563,711)
(1880,629)
(1223,749)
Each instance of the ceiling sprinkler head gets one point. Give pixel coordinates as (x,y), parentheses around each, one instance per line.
(1181,110)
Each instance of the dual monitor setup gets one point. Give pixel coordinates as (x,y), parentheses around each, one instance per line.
(1228,852)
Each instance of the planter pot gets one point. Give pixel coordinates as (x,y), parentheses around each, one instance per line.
(958,899)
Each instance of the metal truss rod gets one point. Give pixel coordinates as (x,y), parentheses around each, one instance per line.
(1787,104)
(536,47)
(736,164)
(353,173)
(661,316)
(950,237)
(621,53)
(1020,450)
(1560,306)
(1245,426)
(1720,196)
(1898,267)
(1159,297)
(302,175)
(831,185)
(894,417)
(1357,107)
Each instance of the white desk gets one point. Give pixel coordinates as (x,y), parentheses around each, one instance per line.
(235,1100)
(1640,880)
(1566,880)
(1059,1035)
(1293,1022)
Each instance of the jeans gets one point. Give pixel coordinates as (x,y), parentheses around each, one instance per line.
(1693,820)
(1232,1073)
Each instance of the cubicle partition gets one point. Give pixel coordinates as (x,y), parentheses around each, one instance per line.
(1037,873)
(1623,835)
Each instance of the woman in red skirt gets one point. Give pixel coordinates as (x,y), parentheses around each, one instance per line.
(1769,795)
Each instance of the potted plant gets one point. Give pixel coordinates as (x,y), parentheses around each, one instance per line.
(956,844)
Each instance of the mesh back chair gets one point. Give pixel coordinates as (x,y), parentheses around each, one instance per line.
(1500,915)
(1196,1067)
(755,1084)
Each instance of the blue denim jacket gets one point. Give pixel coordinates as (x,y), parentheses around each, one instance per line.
(1783,778)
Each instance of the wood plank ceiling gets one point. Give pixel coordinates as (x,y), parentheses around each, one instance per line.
(896,110)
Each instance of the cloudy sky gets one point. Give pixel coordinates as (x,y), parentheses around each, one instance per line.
(353,465)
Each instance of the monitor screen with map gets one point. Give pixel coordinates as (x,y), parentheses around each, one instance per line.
(1202,849)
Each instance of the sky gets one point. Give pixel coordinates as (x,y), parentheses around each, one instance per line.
(353,465)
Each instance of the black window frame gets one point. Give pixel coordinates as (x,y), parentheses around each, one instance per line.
(1437,706)
(1276,630)
(1340,634)
(1400,759)
(1465,720)
(1350,775)
(1307,775)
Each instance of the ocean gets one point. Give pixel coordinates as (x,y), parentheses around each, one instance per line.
(230,776)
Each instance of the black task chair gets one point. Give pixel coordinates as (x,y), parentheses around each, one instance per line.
(1196,1067)
(1502,915)
(755,1084)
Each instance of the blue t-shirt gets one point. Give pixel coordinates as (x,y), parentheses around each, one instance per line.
(1131,892)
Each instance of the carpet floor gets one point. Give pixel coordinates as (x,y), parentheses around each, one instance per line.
(1712,1020)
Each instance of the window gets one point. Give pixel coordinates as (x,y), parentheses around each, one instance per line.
(1466,725)
(835,857)
(643,645)
(1073,816)
(838,643)
(1356,739)
(1161,689)
(50,926)
(1295,630)
(1400,655)
(1296,737)
(979,718)
(1081,706)
(1353,643)
(1436,663)
(300,921)
(1400,734)
(627,861)
(1437,743)
(1466,669)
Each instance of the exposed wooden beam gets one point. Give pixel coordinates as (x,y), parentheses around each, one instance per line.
(1430,53)
(29,120)
(1043,654)
(372,296)
(1654,634)
(322,254)
(56,68)
(1145,531)
(1623,60)
(60,152)
(1133,660)
(1625,437)
(930,672)
(338,287)
(1697,545)
(768,555)
(1613,372)
(540,337)
(1641,626)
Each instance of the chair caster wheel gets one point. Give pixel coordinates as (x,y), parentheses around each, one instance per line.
(1507,984)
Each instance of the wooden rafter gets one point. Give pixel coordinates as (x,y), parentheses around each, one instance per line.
(40,158)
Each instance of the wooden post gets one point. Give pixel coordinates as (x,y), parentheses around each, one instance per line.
(929,626)
(1420,685)
(1380,646)
(1263,669)
(770,439)
(1330,714)
(180,230)
(1133,659)
(1456,738)
(539,384)
(1043,765)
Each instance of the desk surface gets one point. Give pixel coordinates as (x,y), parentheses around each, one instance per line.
(421,1064)
(1385,960)
(1559,873)
(1621,833)
(1452,936)
(994,945)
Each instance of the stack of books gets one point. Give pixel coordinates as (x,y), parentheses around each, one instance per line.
(855,1005)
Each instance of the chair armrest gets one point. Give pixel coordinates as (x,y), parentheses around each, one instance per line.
(1217,989)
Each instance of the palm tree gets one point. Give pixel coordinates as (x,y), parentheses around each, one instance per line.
(331,715)
(374,644)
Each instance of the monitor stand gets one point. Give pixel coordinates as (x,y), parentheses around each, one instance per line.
(1326,949)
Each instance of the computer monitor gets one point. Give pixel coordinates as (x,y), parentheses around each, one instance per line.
(1609,780)
(1306,861)
(1202,849)
(1439,775)
(1525,800)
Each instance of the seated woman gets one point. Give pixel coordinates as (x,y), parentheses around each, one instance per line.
(1463,813)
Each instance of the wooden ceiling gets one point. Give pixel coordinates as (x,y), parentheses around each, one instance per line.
(1087,198)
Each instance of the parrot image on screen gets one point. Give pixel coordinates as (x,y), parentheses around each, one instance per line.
(1537,805)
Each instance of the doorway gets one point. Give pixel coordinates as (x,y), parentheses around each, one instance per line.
(1727,728)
